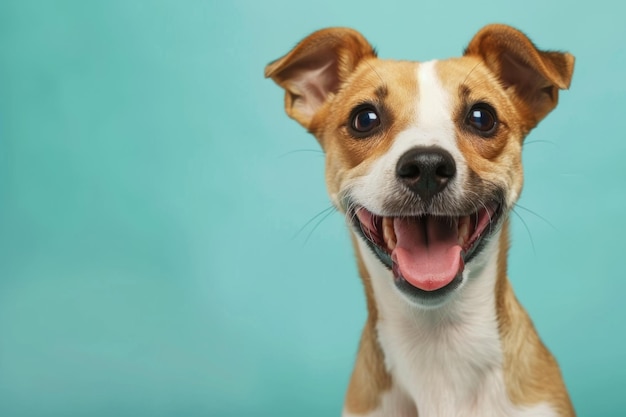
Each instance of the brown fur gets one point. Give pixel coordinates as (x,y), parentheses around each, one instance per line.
(369,378)
(531,373)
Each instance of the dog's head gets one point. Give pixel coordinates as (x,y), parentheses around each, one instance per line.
(424,158)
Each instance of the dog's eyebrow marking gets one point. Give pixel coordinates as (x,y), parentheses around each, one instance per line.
(381,92)
(464,92)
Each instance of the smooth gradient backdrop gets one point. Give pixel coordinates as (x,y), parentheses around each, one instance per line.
(164,244)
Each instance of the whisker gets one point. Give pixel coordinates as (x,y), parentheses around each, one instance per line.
(470,72)
(375,72)
(330,208)
(539,216)
(317,151)
(329,211)
(350,213)
(532,242)
(541,141)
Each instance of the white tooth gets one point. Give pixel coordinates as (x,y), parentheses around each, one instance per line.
(388,233)
(463,229)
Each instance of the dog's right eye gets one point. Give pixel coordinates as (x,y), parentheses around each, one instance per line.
(365,120)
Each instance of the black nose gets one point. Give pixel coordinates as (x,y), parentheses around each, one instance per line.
(426,170)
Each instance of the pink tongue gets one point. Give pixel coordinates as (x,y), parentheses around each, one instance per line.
(427,253)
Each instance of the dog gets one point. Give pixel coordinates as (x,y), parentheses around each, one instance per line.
(424,160)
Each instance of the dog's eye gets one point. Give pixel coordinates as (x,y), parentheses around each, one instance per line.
(482,118)
(365,120)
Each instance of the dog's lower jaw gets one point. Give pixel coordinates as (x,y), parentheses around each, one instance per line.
(460,359)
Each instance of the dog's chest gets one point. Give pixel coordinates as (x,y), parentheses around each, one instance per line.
(456,372)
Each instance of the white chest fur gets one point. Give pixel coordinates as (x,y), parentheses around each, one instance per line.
(447,362)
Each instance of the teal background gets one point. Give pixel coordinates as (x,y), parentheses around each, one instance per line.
(156,254)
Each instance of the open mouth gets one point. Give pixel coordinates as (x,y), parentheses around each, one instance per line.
(427,252)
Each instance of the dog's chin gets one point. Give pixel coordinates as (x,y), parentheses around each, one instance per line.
(427,254)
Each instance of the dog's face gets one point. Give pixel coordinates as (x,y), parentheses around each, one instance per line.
(423,158)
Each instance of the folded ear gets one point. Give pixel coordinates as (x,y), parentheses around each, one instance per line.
(536,76)
(316,67)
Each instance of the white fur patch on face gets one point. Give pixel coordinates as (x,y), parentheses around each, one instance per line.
(434,110)
(433,126)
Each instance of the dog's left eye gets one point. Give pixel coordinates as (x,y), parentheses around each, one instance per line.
(365,120)
(482,118)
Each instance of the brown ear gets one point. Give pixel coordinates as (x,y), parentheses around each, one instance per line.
(536,76)
(316,67)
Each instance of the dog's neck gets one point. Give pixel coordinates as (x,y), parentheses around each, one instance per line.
(449,354)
